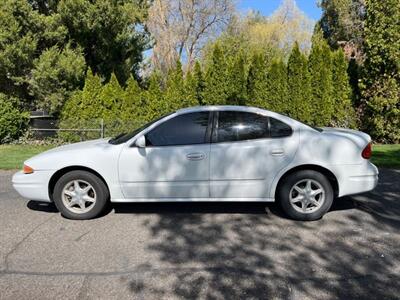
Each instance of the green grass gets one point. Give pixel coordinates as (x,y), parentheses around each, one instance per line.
(13,156)
(386,155)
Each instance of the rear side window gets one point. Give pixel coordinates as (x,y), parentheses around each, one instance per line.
(239,126)
(187,129)
(279,129)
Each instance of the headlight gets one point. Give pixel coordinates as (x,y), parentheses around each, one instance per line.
(27,170)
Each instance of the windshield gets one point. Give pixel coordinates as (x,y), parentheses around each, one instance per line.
(124,137)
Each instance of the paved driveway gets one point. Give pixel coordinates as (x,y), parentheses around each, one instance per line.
(155,251)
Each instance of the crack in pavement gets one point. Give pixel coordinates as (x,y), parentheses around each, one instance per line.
(16,246)
(172,270)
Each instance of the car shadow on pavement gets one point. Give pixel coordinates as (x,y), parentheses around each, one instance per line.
(42,206)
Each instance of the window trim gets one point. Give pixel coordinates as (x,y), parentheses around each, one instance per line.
(207,138)
(214,137)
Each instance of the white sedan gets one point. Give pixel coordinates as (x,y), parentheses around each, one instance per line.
(211,153)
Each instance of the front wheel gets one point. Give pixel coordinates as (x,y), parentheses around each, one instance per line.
(80,195)
(305,195)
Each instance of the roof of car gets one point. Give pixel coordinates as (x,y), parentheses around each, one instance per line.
(219,107)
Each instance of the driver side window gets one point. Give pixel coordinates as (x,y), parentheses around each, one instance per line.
(186,129)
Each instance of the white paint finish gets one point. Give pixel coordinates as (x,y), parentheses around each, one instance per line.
(241,171)
(97,155)
(33,186)
(165,172)
(247,168)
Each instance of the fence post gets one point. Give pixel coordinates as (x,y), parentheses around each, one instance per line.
(102,128)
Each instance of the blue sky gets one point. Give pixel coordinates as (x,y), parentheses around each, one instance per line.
(266,7)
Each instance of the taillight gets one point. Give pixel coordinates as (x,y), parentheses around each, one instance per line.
(27,170)
(367,152)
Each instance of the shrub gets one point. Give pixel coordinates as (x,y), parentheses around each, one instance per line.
(13,122)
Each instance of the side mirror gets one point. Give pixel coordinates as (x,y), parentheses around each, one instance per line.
(140,142)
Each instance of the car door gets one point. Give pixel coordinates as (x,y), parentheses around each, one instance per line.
(247,151)
(173,165)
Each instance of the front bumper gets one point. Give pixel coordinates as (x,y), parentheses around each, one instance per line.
(33,186)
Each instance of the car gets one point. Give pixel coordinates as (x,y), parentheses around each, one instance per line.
(208,153)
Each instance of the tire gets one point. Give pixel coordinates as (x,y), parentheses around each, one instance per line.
(80,195)
(305,195)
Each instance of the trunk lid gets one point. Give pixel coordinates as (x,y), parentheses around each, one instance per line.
(361,139)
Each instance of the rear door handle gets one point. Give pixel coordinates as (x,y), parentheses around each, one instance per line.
(277,152)
(195,156)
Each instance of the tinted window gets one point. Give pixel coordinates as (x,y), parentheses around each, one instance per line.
(279,129)
(184,129)
(240,126)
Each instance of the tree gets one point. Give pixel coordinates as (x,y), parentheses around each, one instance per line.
(381,76)
(109,34)
(133,105)
(299,86)
(237,81)
(155,104)
(181,27)
(273,36)
(13,122)
(342,23)
(55,74)
(24,35)
(343,111)
(257,82)
(194,85)
(215,80)
(175,94)
(84,105)
(319,64)
(277,87)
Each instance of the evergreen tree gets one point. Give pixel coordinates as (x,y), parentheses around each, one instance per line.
(299,86)
(111,98)
(155,104)
(133,105)
(320,69)
(54,75)
(381,78)
(237,81)
(256,82)
(343,112)
(199,79)
(277,87)
(194,85)
(216,79)
(175,95)
(83,109)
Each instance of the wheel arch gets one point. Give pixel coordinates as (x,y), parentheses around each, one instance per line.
(326,172)
(57,175)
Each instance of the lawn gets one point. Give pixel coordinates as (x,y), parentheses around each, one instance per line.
(13,156)
(386,155)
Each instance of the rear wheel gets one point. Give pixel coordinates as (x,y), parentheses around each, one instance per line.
(305,195)
(80,195)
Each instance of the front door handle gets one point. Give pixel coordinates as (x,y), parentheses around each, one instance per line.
(195,156)
(277,152)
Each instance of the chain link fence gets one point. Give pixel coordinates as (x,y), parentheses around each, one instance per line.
(83,130)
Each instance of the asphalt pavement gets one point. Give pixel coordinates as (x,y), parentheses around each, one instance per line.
(202,250)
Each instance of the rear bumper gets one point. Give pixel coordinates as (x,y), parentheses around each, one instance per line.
(356,179)
(33,186)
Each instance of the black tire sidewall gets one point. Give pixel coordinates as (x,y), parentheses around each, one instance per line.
(102,194)
(290,181)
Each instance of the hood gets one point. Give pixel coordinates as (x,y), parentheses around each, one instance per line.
(78,146)
(77,149)
(357,137)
